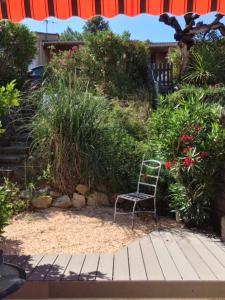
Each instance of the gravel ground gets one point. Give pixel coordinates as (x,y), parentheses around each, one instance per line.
(57,231)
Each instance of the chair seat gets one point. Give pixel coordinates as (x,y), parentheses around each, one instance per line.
(136,196)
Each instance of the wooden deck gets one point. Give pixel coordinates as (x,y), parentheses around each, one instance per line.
(163,264)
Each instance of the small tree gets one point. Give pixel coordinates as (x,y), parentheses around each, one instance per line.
(186,37)
(17,49)
(111,63)
(9,97)
(71,35)
(96,24)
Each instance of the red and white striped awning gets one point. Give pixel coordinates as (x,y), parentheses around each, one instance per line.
(16,10)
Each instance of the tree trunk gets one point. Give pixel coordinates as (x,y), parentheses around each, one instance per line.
(185,55)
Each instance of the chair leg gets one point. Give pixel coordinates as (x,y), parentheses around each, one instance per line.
(133,214)
(115,209)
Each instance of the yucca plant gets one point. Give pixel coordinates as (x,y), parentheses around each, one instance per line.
(200,70)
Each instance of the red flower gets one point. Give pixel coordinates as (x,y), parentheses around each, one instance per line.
(187,149)
(168,165)
(188,161)
(174,162)
(203,154)
(186,138)
(74,48)
(72,51)
(197,128)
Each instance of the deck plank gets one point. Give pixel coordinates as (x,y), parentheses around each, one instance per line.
(152,266)
(43,267)
(167,264)
(137,268)
(194,258)
(214,248)
(57,270)
(121,267)
(207,256)
(31,263)
(217,240)
(90,267)
(105,267)
(185,268)
(74,267)
(220,243)
(180,256)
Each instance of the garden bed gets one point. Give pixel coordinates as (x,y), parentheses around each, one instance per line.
(55,231)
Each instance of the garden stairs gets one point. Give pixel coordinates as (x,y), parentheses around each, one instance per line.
(15,144)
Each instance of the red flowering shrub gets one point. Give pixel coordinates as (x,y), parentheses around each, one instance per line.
(190,133)
(187,155)
(188,162)
(187,149)
(186,138)
(203,154)
(168,165)
(112,64)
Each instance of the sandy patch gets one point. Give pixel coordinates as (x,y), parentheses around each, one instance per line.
(56,231)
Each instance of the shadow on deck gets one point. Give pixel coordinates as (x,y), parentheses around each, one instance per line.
(164,264)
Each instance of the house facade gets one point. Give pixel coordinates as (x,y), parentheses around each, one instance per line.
(160,51)
(48,41)
(45,43)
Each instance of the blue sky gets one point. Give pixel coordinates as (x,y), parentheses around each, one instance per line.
(141,27)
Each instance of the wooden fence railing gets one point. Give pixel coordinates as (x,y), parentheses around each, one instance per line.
(163,73)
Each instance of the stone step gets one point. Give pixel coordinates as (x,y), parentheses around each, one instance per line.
(15,173)
(14,149)
(4,142)
(21,130)
(12,159)
(15,139)
(20,122)
(18,173)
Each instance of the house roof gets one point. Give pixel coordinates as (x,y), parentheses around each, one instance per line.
(62,45)
(164,45)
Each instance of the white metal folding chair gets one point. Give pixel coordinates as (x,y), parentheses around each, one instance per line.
(148,181)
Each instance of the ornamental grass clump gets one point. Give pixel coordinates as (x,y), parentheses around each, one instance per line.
(80,136)
(189,138)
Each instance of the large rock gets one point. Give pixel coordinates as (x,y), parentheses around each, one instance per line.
(42,192)
(98,199)
(41,202)
(82,189)
(78,201)
(223,228)
(62,202)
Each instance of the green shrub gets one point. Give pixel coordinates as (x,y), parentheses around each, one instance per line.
(82,137)
(174,57)
(188,136)
(17,49)
(112,64)
(211,94)
(9,97)
(8,192)
(207,59)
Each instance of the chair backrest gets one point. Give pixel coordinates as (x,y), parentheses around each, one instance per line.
(149,176)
